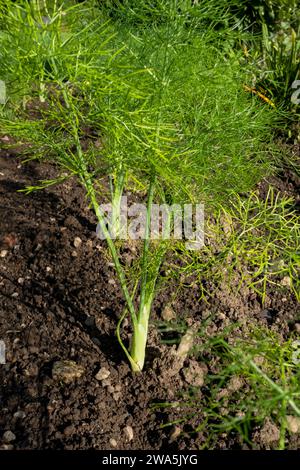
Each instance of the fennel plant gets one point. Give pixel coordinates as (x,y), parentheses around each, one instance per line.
(165,100)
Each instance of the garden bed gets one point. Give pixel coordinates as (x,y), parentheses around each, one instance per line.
(138,341)
(60,302)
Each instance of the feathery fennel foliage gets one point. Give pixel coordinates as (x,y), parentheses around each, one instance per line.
(165,101)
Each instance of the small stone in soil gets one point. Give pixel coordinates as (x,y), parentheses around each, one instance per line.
(168,313)
(102,374)
(286,281)
(175,433)
(221,316)
(293,424)
(77,242)
(20,414)
(113,442)
(128,433)
(6,447)
(66,371)
(3,253)
(8,437)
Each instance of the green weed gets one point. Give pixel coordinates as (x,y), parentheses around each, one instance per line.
(255,240)
(251,382)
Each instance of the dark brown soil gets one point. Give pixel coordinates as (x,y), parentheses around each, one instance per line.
(59,302)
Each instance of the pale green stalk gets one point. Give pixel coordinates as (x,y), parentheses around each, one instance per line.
(116,197)
(120,273)
(148,283)
(140,333)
